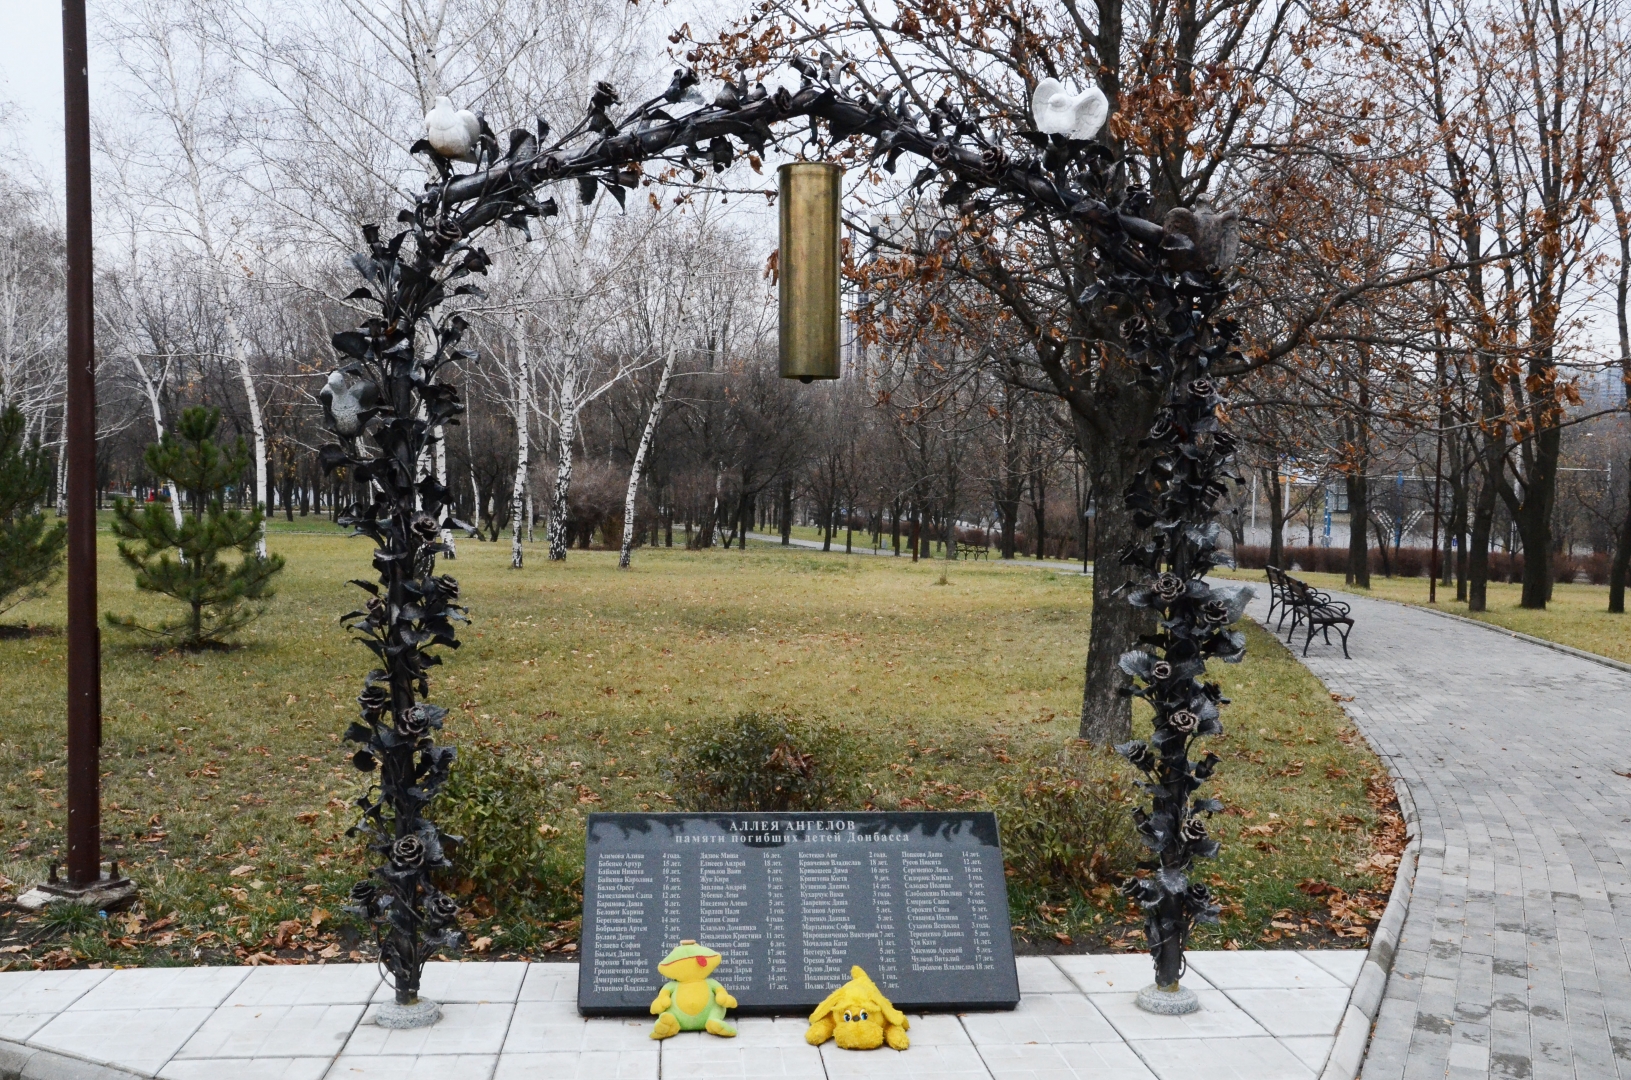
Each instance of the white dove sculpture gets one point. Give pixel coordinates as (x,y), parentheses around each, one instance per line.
(452,132)
(1075,116)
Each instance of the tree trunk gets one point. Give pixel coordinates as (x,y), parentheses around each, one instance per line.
(705,528)
(523,415)
(1009,509)
(256,426)
(646,438)
(1381,548)
(1107,715)
(154,391)
(1277,517)
(1358,521)
(1621,567)
(62,469)
(563,470)
(1534,518)
(1039,508)
(1483,521)
(439,464)
(787,512)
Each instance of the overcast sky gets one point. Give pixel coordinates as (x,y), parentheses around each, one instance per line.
(31,82)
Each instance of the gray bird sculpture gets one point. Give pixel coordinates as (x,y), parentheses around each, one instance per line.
(1201,237)
(349,402)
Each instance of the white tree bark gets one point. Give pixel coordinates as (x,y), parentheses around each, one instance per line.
(152,388)
(256,426)
(523,421)
(640,453)
(476,501)
(568,431)
(439,459)
(62,475)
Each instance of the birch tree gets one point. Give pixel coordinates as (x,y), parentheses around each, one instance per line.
(646,436)
(185,167)
(519,503)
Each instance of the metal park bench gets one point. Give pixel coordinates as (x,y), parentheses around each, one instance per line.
(971,551)
(1309,608)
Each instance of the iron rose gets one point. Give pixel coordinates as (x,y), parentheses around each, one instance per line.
(408,853)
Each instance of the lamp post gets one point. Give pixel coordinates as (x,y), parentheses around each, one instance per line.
(86,883)
(84,647)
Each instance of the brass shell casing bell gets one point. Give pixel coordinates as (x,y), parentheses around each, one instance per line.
(808,267)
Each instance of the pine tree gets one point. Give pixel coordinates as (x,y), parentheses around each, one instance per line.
(221,596)
(30,549)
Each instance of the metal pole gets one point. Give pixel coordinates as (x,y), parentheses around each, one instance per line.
(84,645)
(1438,484)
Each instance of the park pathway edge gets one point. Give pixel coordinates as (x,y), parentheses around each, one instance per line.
(19,1062)
(1353,1036)
(1511,960)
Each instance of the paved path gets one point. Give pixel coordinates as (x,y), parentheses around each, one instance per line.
(1513,958)
(1267,1016)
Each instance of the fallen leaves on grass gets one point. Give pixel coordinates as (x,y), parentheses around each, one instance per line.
(1350,916)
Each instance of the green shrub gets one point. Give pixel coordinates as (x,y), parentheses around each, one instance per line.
(31,550)
(1065,820)
(497,805)
(221,596)
(759,762)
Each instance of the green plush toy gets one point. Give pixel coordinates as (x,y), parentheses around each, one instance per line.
(690,1000)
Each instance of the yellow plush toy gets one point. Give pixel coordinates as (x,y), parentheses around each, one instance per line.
(858,1017)
(690,1000)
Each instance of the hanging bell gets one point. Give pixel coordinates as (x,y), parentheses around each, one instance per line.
(808,268)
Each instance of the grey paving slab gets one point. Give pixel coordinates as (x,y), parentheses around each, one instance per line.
(1513,959)
(1272,1017)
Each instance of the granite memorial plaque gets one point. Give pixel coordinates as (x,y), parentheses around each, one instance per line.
(791,901)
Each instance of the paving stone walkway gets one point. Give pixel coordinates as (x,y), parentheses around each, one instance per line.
(1513,958)
(1265,1016)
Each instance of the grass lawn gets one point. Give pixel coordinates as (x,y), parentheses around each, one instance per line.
(863,542)
(226,785)
(1576,616)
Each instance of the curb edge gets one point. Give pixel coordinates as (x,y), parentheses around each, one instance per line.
(22,1062)
(1365,1000)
